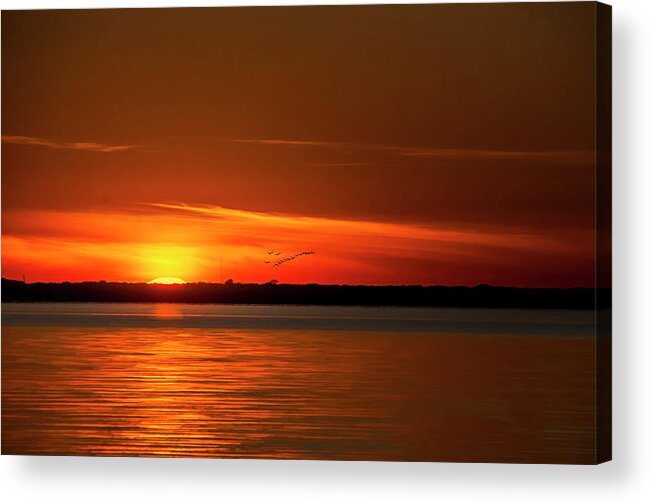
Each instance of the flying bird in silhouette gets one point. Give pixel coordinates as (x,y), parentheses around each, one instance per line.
(292,257)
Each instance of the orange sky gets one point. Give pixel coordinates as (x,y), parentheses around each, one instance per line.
(430,144)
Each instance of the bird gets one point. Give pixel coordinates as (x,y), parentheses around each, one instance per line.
(292,257)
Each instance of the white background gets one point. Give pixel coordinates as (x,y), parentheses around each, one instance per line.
(626,479)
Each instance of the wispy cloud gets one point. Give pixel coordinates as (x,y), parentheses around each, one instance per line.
(346,165)
(431,152)
(53,144)
(192,241)
(362,232)
(299,143)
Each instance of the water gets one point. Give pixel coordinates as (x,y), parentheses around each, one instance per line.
(298,382)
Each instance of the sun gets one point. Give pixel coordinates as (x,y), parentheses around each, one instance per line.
(167,281)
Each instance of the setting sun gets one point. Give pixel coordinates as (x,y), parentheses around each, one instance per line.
(167,281)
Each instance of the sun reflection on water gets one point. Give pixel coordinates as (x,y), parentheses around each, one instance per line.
(167,311)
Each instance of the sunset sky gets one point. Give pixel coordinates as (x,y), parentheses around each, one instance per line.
(444,144)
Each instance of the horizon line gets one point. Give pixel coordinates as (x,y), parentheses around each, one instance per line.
(308,284)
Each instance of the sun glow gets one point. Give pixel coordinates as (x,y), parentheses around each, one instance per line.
(172,242)
(167,281)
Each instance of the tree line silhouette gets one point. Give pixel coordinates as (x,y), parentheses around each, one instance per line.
(481,296)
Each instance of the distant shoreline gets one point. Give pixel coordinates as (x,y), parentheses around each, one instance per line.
(482,296)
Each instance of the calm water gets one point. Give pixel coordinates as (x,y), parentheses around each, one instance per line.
(298,382)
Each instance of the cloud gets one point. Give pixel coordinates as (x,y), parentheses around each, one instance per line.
(53,144)
(346,165)
(265,226)
(433,152)
(300,143)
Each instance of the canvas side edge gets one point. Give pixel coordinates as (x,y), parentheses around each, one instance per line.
(603,222)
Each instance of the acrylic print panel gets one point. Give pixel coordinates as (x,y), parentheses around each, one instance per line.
(351,232)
